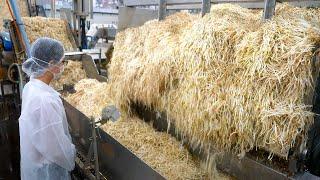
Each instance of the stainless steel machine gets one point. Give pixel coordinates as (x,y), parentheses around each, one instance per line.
(99,156)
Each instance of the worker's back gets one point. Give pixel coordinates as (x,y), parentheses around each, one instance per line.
(40,152)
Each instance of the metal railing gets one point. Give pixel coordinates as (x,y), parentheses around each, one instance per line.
(204,5)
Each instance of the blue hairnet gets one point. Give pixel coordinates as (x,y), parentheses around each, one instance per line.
(44,51)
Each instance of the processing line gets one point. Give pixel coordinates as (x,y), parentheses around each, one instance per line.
(301,164)
(110,154)
(100,156)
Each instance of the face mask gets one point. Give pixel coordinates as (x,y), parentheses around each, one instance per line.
(55,75)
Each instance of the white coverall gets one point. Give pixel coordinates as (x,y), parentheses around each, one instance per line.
(47,151)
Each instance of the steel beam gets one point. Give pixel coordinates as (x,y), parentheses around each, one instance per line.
(251,5)
(180,2)
(269,9)
(162,9)
(245,3)
(205,7)
(306,3)
(91,9)
(53,8)
(155,2)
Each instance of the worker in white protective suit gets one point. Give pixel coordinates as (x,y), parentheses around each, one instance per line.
(47,152)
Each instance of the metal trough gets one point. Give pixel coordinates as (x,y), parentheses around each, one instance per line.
(115,161)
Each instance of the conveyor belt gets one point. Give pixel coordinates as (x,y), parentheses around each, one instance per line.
(251,167)
(115,161)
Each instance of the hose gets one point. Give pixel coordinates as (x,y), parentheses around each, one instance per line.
(20,80)
(9,73)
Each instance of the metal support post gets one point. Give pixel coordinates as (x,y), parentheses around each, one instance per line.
(162,9)
(99,67)
(91,8)
(83,40)
(74,18)
(206,5)
(269,9)
(53,8)
(78,14)
(95,151)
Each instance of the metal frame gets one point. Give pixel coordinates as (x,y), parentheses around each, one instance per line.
(306,3)
(115,161)
(204,5)
(81,10)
